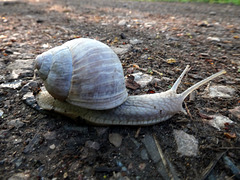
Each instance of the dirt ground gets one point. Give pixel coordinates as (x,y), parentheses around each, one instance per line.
(162,38)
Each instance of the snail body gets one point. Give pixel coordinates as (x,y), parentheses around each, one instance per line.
(95,88)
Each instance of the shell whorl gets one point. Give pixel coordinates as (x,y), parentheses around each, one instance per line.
(83,72)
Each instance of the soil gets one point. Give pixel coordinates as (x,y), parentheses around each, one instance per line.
(169,36)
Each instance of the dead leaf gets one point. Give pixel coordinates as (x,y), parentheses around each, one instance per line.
(131,84)
(230,135)
(171,61)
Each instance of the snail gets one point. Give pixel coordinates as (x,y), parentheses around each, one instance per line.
(84,78)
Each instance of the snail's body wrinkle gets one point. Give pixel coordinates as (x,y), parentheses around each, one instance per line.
(136,110)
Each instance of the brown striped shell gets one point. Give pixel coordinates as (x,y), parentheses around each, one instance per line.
(83,72)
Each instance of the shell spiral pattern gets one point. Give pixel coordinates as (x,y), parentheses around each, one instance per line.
(83,72)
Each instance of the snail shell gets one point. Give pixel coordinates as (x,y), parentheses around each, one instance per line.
(83,72)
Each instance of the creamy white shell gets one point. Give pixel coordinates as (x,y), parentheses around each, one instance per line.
(83,72)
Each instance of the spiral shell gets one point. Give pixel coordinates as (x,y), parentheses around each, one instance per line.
(83,72)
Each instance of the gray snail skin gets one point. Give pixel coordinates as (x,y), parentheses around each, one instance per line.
(84,79)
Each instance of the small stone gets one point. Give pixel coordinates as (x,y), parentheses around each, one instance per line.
(20,67)
(74,166)
(18,162)
(213,39)
(123,36)
(135,41)
(52,146)
(50,135)
(20,176)
(221,91)
(45,46)
(144,154)
(212,13)
(29,86)
(149,24)
(17,141)
(29,99)
(187,145)
(65,175)
(144,56)
(12,85)
(122,49)
(32,143)
(1,113)
(155,82)
(235,111)
(142,166)
(115,139)
(92,145)
(4,133)
(142,79)
(101,130)
(219,121)
(16,123)
(122,22)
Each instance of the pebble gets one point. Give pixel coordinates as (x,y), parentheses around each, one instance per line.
(20,67)
(1,113)
(142,166)
(219,121)
(32,143)
(17,141)
(149,24)
(65,175)
(145,56)
(18,162)
(45,46)
(4,133)
(122,22)
(235,111)
(135,41)
(101,130)
(220,91)
(52,146)
(122,49)
(212,13)
(213,39)
(115,139)
(92,145)
(142,79)
(187,145)
(30,85)
(144,154)
(29,99)
(155,81)
(20,176)
(16,123)
(12,85)
(50,135)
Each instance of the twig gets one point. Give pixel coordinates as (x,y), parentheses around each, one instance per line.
(188,110)
(168,166)
(137,133)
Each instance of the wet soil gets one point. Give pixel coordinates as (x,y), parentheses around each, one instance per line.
(168,36)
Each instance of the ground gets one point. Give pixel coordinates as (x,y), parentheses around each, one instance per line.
(167,37)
